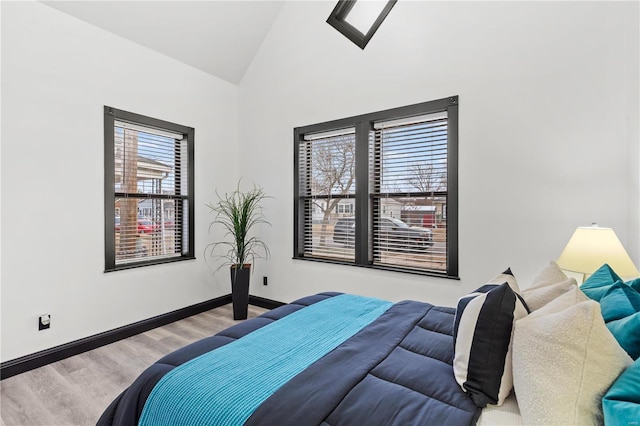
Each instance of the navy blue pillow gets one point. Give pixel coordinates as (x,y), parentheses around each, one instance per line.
(483,329)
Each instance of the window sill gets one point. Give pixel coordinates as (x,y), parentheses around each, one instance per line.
(381,267)
(148,263)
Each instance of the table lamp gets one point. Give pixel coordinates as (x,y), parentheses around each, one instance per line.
(592,246)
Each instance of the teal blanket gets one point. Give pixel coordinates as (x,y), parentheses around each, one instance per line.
(238,377)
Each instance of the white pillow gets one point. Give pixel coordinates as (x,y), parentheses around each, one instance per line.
(564,360)
(551,274)
(547,286)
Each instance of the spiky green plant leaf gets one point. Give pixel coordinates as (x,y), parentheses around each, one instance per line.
(238,213)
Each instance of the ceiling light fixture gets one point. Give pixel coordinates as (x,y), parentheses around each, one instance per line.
(359,20)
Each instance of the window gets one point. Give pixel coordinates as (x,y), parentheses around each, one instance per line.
(380,190)
(148,190)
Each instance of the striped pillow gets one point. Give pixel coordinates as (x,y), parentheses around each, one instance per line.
(483,330)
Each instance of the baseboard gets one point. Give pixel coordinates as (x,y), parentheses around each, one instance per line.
(264,303)
(47,356)
(57,353)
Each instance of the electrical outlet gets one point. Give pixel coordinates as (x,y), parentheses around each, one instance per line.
(44,321)
(264,280)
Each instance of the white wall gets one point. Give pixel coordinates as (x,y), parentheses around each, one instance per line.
(546,127)
(548,141)
(57,73)
(633,133)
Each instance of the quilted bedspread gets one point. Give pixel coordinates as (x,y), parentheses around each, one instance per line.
(397,370)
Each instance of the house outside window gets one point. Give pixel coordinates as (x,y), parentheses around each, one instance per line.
(379,190)
(148,190)
(345,208)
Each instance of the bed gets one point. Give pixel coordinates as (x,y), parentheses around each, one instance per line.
(377,373)
(337,359)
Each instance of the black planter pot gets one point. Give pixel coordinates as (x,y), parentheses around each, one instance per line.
(240,291)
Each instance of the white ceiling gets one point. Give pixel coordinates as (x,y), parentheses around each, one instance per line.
(217,37)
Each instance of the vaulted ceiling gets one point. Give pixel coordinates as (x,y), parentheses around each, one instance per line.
(218,37)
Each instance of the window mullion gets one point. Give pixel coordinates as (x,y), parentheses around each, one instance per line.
(109,184)
(452,188)
(362,233)
(298,205)
(191,185)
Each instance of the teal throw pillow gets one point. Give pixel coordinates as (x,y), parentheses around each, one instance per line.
(635,284)
(627,333)
(620,301)
(599,282)
(621,403)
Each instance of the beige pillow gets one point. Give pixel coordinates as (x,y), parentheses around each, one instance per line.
(564,360)
(547,286)
(551,274)
(506,277)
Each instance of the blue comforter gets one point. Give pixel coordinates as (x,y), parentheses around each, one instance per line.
(396,370)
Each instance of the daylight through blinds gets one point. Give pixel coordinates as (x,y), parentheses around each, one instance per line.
(151,189)
(380,190)
(327,189)
(408,172)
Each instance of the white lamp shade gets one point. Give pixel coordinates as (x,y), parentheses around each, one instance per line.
(592,246)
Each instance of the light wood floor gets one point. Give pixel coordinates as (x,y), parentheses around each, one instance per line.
(75,391)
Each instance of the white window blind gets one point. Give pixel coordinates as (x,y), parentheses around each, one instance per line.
(327,180)
(151,193)
(408,188)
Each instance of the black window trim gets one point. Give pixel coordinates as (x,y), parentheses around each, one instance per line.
(110,116)
(364,124)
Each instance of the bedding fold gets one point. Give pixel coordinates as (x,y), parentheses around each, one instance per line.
(396,371)
(238,377)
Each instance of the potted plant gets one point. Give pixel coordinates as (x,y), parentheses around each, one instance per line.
(238,213)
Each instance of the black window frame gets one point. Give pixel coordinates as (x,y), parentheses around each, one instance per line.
(188,223)
(364,124)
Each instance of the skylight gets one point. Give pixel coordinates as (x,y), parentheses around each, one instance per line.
(359,20)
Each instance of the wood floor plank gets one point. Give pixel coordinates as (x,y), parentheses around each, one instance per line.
(19,405)
(58,397)
(84,380)
(76,390)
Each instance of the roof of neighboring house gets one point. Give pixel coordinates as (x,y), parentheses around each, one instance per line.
(153,164)
(147,169)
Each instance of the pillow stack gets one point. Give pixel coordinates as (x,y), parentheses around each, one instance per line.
(568,360)
(547,286)
(621,404)
(564,360)
(600,282)
(483,330)
(620,304)
(565,340)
